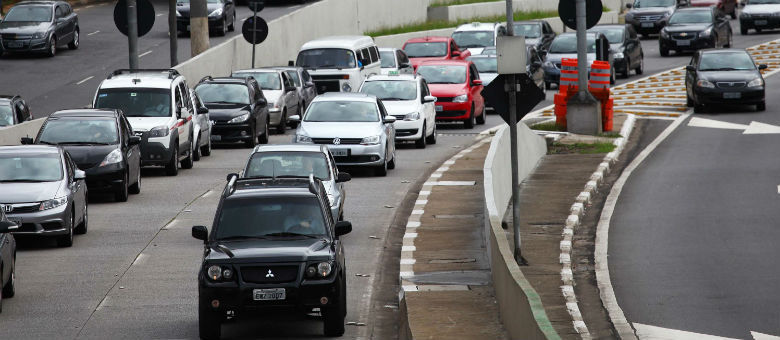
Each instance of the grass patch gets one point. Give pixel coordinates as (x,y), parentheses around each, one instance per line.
(610,135)
(439,24)
(445,3)
(551,126)
(580,148)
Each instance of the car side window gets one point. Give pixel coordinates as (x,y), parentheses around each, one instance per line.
(177,98)
(68,166)
(374,54)
(473,73)
(20,114)
(306,76)
(58,12)
(382,112)
(402,57)
(286,80)
(294,76)
(128,129)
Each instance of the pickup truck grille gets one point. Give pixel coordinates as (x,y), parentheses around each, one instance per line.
(269,274)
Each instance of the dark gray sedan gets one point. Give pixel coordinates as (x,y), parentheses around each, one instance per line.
(727,76)
(43,192)
(7,257)
(39,26)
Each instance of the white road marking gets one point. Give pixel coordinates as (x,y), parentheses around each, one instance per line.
(646,332)
(93,33)
(84,80)
(452,183)
(761,128)
(715,124)
(139,259)
(408,248)
(778,189)
(161,14)
(761,336)
(145,53)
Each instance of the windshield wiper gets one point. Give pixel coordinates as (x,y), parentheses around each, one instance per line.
(722,69)
(83,143)
(231,103)
(394,98)
(290,234)
(47,143)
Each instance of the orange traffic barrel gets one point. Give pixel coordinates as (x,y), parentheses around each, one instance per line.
(599,75)
(568,74)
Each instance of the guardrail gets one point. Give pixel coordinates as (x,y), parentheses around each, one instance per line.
(520,307)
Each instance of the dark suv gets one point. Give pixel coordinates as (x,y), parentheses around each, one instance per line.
(273,247)
(237,108)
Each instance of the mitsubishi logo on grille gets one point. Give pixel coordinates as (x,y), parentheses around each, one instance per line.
(8,208)
(270,274)
(336,141)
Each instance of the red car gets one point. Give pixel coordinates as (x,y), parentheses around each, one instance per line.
(433,48)
(458,89)
(728,7)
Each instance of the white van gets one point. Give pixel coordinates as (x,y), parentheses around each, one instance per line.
(339,63)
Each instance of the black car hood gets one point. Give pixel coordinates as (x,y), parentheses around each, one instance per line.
(24,27)
(88,156)
(687,27)
(650,10)
(736,76)
(282,249)
(184,8)
(222,112)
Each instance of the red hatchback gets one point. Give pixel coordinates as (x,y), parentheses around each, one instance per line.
(458,89)
(433,48)
(728,7)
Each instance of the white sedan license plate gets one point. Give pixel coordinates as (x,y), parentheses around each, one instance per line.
(683,43)
(14,44)
(732,95)
(271,294)
(340,152)
(760,22)
(439,108)
(216,138)
(648,25)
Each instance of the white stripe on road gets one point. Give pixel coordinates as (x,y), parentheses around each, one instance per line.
(646,332)
(84,80)
(161,14)
(145,53)
(95,32)
(761,336)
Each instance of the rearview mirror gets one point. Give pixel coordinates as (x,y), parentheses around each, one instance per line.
(26,140)
(309,84)
(289,88)
(294,118)
(230,176)
(8,226)
(134,140)
(200,232)
(79,174)
(762,66)
(261,102)
(456,53)
(343,228)
(629,5)
(343,177)
(477,82)
(690,68)
(389,120)
(429,99)
(203,110)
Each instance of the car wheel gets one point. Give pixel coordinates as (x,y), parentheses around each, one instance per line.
(758,30)
(641,68)
(471,121)
(75,43)
(627,69)
(67,239)
(432,137)
(266,133)
(688,101)
(206,149)
(335,314)
(135,189)
(82,228)
(232,26)
(698,108)
(761,106)
(612,75)
(224,29)
(121,192)
(196,152)
(209,322)
(188,162)
(391,162)
(743,30)
(172,168)
(423,141)
(547,85)
(664,52)
(382,169)
(9,290)
(731,40)
(282,123)
(52,46)
(253,138)
(482,119)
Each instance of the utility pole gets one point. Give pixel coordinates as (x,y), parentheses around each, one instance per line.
(173,34)
(583,111)
(132,33)
(511,85)
(199,27)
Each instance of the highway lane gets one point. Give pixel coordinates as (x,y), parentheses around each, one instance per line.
(70,78)
(692,242)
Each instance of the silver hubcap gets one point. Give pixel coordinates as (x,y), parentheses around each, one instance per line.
(76,38)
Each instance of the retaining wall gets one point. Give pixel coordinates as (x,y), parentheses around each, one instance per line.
(12,134)
(486,9)
(520,307)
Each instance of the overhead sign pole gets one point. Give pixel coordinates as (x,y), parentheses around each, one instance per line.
(511,87)
(173,33)
(132,33)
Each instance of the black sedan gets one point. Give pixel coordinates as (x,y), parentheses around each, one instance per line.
(650,16)
(237,108)
(13,110)
(691,29)
(221,16)
(727,76)
(628,54)
(7,257)
(39,26)
(100,142)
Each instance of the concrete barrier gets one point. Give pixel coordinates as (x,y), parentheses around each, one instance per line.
(12,134)
(495,8)
(520,307)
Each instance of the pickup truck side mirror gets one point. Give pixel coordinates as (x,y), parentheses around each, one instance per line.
(203,110)
(343,228)
(200,232)
(690,68)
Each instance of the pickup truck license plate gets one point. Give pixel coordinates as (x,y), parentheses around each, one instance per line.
(732,95)
(760,22)
(648,24)
(14,44)
(271,294)
(439,108)
(340,152)
(683,43)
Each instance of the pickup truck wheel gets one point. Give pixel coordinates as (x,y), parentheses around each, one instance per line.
(335,314)
(209,323)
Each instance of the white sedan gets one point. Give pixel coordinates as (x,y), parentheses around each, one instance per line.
(407,98)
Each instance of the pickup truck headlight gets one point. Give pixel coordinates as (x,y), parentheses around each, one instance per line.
(705,83)
(217,12)
(303,139)
(319,270)
(239,119)
(53,203)
(370,140)
(215,273)
(756,82)
(159,131)
(461,99)
(412,116)
(112,158)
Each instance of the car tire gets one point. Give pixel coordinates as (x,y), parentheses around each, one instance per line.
(75,43)
(209,323)
(9,290)
(266,133)
(253,138)
(423,141)
(188,162)
(335,314)
(471,121)
(731,40)
(196,151)
(206,149)
(761,106)
(391,163)
(482,119)
(121,193)
(67,239)
(688,101)
(382,169)
(282,123)
(641,68)
(547,85)
(232,26)
(81,229)
(664,52)
(172,168)
(135,189)
(52,46)
(432,137)
(626,70)
(612,75)
(758,30)
(699,108)
(743,30)
(224,29)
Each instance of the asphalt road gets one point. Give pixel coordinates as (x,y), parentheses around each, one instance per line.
(692,242)
(69,80)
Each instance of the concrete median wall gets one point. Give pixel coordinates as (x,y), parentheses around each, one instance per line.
(12,134)
(486,9)
(520,307)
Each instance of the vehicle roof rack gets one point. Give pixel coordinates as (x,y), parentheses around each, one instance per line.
(230,188)
(205,79)
(172,73)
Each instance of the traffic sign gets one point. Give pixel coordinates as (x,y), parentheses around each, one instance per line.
(145,16)
(260,31)
(497,97)
(256,6)
(567,11)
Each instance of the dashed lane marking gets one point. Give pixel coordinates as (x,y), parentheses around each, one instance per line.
(84,80)
(93,33)
(145,53)
(647,332)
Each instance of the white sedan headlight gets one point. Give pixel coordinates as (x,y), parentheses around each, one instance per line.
(53,203)
(370,140)
(217,12)
(756,82)
(618,55)
(112,158)
(461,99)
(303,139)
(412,116)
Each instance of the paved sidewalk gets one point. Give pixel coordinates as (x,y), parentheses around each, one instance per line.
(445,269)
